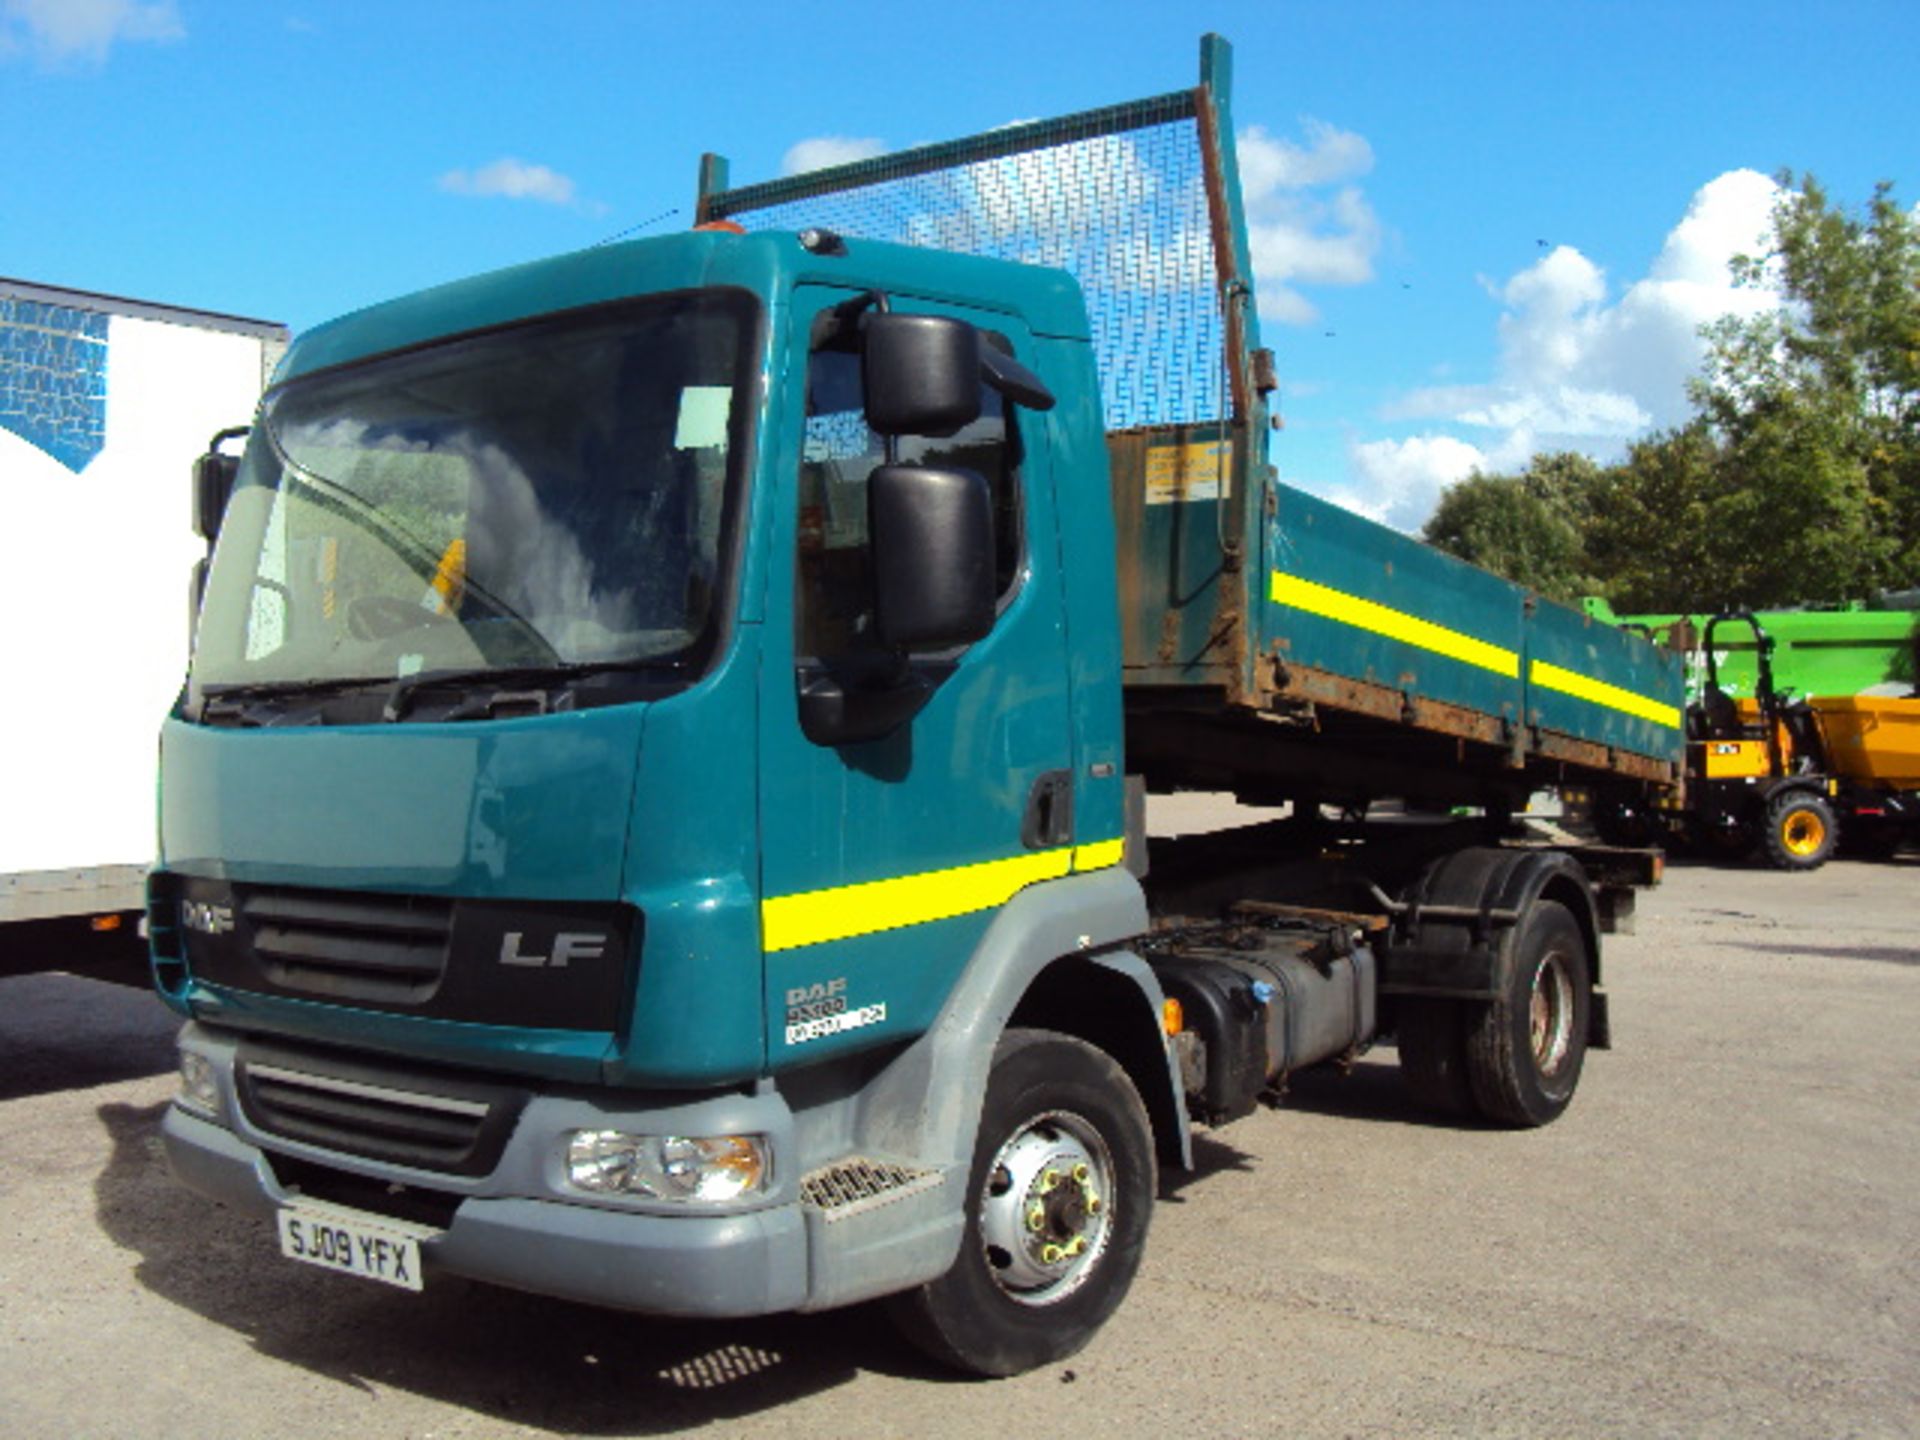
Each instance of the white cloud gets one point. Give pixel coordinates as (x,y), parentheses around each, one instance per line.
(1267,163)
(822,152)
(1579,368)
(58,30)
(1299,234)
(512,179)
(1399,481)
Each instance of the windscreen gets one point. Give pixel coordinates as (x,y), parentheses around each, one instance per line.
(557,493)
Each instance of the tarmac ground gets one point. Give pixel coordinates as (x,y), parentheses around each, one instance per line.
(1720,1237)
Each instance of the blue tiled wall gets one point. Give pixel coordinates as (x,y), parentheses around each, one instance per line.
(53,378)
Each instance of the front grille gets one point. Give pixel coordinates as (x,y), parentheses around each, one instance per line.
(425,1119)
(375,947)
(417,1204)
(531,964)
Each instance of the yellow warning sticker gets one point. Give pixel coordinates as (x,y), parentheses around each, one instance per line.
(1178,473)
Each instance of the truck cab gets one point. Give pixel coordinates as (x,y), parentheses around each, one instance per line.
(566,833)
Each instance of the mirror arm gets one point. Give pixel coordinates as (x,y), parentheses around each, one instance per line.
(1013,380)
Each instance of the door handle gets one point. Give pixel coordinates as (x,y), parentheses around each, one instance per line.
(1048,822)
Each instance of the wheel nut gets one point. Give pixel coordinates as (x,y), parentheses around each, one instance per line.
(1080,1173)
(1049,1182)
(1036,1217)
(1092,1206)
(1077,1246)
(1051,1254)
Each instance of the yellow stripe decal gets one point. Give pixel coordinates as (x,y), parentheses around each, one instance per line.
(1351,610)
(815,917)
(1552,677)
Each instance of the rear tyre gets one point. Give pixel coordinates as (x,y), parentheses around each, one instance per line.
(1525,1052)
(1058,1201)
(1800,832)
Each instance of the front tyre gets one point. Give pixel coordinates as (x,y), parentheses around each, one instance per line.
(1800,831)
(1058,1201)
(1525,1052)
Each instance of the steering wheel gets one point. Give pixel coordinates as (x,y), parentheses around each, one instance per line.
(377,617)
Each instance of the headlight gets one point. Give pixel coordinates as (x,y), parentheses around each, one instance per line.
(667,1167)
(199,1090)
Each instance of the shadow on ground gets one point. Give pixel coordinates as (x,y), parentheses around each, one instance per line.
(498,1353)
(1368,1089)
(1880,954)
(62,1032)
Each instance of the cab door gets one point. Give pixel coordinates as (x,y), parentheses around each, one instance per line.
(884,861)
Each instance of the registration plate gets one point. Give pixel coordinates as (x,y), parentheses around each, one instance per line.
(370,1246)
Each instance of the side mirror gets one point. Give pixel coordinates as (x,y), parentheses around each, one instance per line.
(932,537)
(213,476)
(931,533)
(922,374)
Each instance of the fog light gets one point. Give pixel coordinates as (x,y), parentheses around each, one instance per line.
(699,1168)
(199,1090)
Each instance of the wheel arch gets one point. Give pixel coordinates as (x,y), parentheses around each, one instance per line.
(1468,952)
(1565,883)
(1033,963)
(1098,999)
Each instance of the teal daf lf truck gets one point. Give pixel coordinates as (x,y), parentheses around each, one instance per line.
(655,814)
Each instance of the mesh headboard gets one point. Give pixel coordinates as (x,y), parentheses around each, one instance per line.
(1121,197)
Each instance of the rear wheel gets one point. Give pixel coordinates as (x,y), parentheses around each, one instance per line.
(1525,1053)
(1800,831)
(1058,1201)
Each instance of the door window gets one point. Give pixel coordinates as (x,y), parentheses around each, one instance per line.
(838,453)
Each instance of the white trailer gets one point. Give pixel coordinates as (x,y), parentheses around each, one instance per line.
(104,404)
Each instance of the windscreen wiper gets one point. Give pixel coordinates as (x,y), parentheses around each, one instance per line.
(400,699)
(229,699)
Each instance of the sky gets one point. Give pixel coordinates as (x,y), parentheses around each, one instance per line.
(1479,231)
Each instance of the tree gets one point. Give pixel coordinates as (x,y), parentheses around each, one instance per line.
(1817,403)
(1652,539)
(1691,522)
(1527,527)
(1797,480)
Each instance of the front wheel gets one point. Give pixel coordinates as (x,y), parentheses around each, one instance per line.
(1525,1052)
(1800,831)
(1058,1201)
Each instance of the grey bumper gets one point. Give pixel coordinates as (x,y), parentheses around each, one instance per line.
(709,1265)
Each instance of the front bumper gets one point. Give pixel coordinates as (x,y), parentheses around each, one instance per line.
(519,1226)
